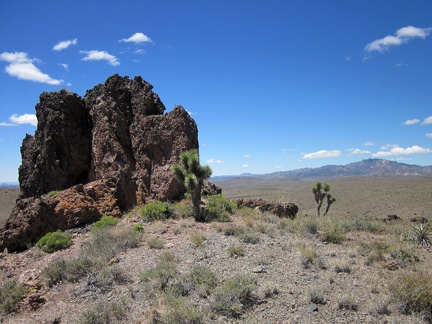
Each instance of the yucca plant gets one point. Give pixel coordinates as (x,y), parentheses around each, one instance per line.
(421,234)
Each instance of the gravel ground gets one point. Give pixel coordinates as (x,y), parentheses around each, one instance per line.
(284,281)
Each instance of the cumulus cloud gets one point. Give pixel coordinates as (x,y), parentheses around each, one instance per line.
(322,154)
(137,38)
(245,165)
(16,120)
(411,122)
(415,149)
(359,152)
(60,46)
(402,36)
(427,121)
(247,156)
(95,55)
(23,68)
(429,135)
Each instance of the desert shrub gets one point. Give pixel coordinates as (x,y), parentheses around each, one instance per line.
(249,237)
(156,211)
(155,243)
(219,208)
(235,296)
(204,277)
(309,225)
(334,233)
(105,221)
(348,303)
(96,315)
(342,267)
(66,270)
(236,250)
(161,274)
(53,193)
(375,251)
(138,228)
(105,243)
(181,311)
(54,241)
(413,292)
(233,230)
(197,238)
(11,294)
(366,225)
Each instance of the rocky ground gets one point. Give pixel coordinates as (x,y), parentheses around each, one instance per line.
(299,278)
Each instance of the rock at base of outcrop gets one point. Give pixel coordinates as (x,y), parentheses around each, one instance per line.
(286,210)
(33,217)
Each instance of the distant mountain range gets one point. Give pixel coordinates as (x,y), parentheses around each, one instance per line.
(9,184)
(369,167)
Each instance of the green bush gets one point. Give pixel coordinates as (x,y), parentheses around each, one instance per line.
(66,270)
(54,241)
(104,222)
(219,208)
(11,294)
(235,296)
(53,193)
(334,233)
(138,228)
(161,274)
(157,210)
(236,250)
(155,243)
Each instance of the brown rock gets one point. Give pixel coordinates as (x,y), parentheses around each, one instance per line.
(288,210)
(33,217)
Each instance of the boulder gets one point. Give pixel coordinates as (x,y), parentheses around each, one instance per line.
(33,217)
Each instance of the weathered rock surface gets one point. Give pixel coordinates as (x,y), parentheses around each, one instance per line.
(286,210)
(35,216)
(118,134)
(118,130)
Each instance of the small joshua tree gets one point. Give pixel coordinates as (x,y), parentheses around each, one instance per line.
(192,175)
(321,192)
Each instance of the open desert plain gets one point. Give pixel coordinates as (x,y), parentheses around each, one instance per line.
(357,264)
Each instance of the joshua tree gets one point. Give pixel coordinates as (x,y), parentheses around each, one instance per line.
(320,192)
(192,174)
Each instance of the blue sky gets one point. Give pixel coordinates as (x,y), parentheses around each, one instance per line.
(273,85)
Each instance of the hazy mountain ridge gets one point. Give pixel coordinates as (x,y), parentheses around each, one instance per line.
(369,167)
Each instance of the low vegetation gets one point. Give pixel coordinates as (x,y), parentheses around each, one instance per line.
(238,265)
(54,241)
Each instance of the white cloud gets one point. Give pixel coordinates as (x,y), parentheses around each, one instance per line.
(247,156)
(22,67)
(429,135)
(64,44)
(387,146)
(369,144)
(402,36)
(322,154)
(411,121)
(140,52)
(359,152)
(210,161)
(245,165)
(16,120)
(95,55)
(415,149)
(65,66)
(427,121)
(137,38)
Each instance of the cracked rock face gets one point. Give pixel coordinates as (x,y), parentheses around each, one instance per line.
(117,133)
(118,130)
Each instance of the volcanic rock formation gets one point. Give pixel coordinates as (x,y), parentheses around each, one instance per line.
(116,139)
(118,130)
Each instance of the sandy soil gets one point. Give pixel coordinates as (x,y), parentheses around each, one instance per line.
(8,197)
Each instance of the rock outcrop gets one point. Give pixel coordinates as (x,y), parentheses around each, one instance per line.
(118,130)
(113,148)
(286,210)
